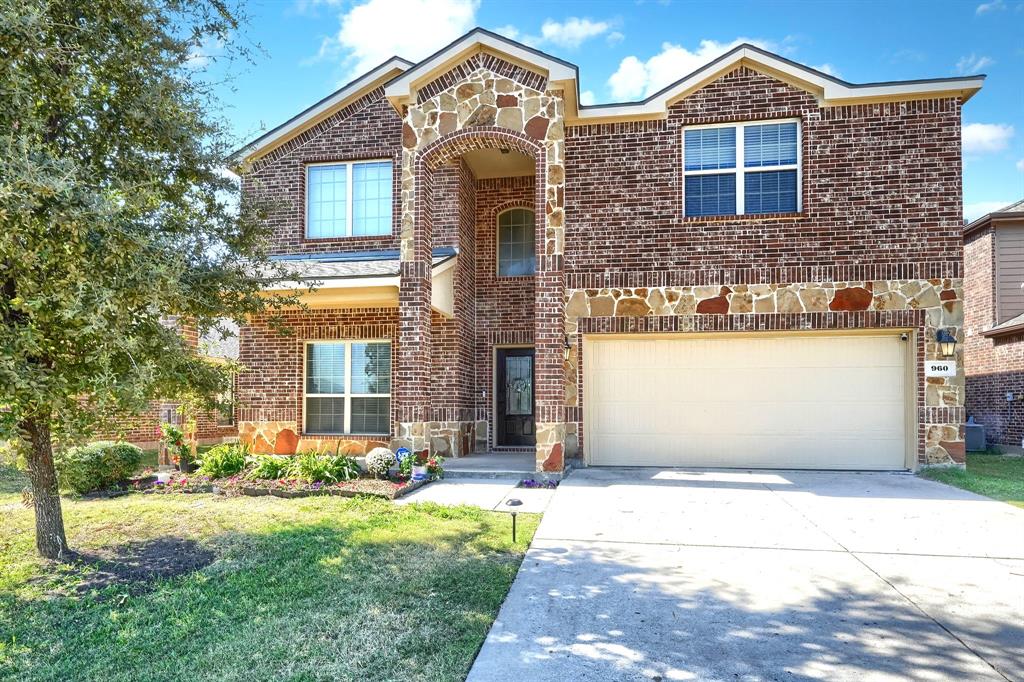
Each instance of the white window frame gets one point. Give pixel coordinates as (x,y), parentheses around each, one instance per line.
(740,171)
(497,241)
(347,395)
(349,192)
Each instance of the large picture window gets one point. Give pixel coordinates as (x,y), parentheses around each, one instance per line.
(741,169)
(348,199)
(516,243)
(348,387)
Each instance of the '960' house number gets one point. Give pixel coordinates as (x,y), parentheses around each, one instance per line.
(939,368)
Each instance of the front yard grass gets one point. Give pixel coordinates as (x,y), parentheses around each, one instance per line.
(997,476)
(321,588)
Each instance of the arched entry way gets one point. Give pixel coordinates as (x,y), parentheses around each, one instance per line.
(425,425)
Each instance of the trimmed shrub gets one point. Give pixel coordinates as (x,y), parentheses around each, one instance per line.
(379,460)
(268,467)
(96,465)
(222,461)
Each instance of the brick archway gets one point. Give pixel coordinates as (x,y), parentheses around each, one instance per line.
(415,292)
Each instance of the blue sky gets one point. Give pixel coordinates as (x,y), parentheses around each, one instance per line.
(627,49)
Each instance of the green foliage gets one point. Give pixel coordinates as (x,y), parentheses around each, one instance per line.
(997,476)
(222,461)
(313,466)
(268,467)
(117,219)
(176,442)
(344,468)
(97,465)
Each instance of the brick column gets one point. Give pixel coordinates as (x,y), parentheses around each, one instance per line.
(549,370)
(414,348)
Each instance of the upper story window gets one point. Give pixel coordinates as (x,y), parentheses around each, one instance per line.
(348,199)
(741,169)
(516,243)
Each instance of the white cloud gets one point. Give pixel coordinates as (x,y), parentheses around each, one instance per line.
(508,30)
(614,38)
(635,78)
(572,32)
(973,64)
(977,209)
(827,69)
(1020,165)
(200,54)
(375,30)
(986,138)
(990,6)
(587,98)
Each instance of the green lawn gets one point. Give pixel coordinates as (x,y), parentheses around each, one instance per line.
(320,588)
(998,476)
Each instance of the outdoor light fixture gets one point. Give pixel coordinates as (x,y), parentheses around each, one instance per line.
(565,350)
(947,342)
(514,503)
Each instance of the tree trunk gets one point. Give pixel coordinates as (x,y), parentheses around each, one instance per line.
(50,539)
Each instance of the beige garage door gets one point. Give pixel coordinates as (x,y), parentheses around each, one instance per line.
(815,402)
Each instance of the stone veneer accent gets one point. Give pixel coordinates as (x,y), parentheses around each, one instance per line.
(924,305)
(487,105)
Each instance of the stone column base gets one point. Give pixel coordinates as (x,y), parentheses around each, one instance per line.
(550,446)
(446,439)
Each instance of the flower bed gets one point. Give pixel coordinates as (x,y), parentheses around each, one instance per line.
(285,487)
(531,483)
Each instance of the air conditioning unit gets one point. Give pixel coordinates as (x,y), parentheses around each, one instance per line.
(974,434)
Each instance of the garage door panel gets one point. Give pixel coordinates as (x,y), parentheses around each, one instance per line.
(808,402)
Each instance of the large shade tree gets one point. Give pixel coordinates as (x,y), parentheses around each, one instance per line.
(115,216)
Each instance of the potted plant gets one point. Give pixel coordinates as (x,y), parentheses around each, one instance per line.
(178,447)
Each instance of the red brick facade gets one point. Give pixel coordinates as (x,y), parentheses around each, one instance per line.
(880,215)
(994,366)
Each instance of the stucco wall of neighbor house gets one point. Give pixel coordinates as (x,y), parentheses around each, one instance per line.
(879,230)
(994,366)
(876,244)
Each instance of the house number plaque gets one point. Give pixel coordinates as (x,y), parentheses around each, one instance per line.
(939,368)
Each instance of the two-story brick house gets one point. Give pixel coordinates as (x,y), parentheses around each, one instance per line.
(747,268)
(994,324)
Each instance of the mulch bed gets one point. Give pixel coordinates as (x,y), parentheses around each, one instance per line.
(135,565)
(287,488)
(387,489)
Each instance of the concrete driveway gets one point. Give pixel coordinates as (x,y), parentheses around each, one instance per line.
(668,574)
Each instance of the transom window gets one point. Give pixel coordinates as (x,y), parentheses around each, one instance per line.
(348,387)
(516,243)
(348,199)
(741,168)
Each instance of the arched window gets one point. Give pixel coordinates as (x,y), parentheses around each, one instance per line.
(516,243)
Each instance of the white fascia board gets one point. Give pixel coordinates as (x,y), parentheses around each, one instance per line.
(288,128)
(401,87)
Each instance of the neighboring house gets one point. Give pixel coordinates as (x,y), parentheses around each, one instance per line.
(994,323)
(144,429)
(748,268)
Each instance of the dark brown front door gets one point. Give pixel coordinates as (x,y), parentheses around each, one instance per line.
(514,423)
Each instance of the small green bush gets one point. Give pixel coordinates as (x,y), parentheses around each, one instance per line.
(268,467)
(311,467)
(344,468)
(222,461)
(96,465)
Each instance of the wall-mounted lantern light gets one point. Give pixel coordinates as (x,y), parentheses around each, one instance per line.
(947,342)
(565,350)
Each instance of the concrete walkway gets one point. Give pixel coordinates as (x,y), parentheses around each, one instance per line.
(493,495)
(650,574)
